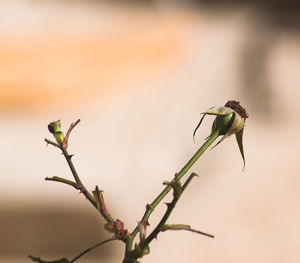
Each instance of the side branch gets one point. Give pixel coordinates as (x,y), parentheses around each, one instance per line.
(184,227)
(93,247)
(63,180)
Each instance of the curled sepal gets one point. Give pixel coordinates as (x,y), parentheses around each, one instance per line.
(219,111)
(239,139)
(223,121)
(236,125)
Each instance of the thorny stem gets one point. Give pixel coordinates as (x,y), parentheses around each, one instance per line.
(170,208)
(77,179)
(151,207)
(78,184)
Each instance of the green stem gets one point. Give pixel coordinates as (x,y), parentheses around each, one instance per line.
(62,180)
(167,189)
(86,193)
(77,179)
(71,165)
(173,227)
(170,208)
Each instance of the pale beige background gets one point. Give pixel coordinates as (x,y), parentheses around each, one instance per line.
(139,77)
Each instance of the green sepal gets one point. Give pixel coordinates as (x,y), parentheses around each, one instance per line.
(224,120)
(219,111)
(239,139)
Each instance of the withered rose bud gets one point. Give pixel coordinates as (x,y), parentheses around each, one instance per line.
(230,119)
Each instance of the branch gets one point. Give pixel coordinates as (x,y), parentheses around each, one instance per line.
(52,143)
(62,260)
(93,247)
(184,227)
(63,180)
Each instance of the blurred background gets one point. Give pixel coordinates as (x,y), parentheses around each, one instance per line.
(138,74)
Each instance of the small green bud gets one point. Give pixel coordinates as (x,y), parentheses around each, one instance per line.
(59,137)
(54,127)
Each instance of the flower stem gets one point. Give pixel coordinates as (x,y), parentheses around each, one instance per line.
(167,189)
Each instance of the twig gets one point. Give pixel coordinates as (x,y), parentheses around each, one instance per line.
(52,143)
(63,180)
(66,138)
(93,247)
(184,227)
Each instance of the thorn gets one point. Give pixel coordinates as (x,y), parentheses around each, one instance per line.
(168,204)
(149,207)
(194,174)
(176,176)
